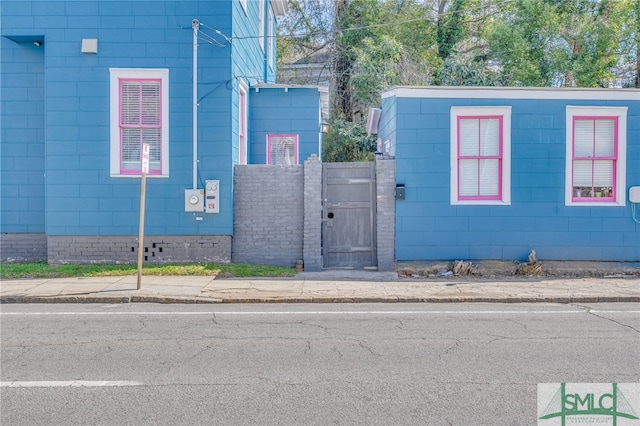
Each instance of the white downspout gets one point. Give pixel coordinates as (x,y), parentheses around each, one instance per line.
(195,24)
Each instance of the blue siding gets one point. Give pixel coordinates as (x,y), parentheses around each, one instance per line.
(22,166)
(294,111)
(63,115)
(429,227)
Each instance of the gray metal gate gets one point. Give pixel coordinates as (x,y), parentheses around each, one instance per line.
(349,215)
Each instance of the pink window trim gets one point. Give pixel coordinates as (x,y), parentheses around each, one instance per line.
(277,135)
(242,140)
(480,157)
(612,196)
(121,126)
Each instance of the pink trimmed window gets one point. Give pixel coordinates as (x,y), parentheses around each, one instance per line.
(138,114)
(480,155)
(242,125)
(594,159)
(140,122)
(282,150)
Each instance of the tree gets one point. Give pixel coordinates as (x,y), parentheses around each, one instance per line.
(560,43)
(304,30)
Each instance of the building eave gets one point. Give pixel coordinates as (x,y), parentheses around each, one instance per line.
(481,92)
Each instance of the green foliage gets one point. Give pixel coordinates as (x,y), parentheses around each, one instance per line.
(376,44)
(43,270)
(378,67)
(450,29)
(347,142)
(468,73)
(562,43)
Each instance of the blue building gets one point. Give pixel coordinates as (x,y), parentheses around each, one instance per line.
(493,173)
(86,84)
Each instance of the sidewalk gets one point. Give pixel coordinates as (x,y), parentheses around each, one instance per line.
(330,286)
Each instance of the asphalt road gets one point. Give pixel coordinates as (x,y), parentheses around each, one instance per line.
(388,364)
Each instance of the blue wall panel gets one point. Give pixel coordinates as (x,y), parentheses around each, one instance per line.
(429,227)
(22,170)
(275,110)
(74,129)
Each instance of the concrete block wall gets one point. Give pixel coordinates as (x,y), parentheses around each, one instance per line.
(385,211)
(269,208)
(312,250)
(23,247)
(278,215)
(124,249)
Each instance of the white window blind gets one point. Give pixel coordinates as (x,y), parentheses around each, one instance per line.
(604,138)
(140,121)
(283,150)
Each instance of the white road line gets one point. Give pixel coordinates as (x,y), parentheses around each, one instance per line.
(328,313)
(69,383)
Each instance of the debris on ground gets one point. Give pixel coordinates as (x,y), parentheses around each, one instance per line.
(532,267)
(460,267)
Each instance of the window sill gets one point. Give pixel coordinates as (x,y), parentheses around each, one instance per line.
(480,203)
(595,204)
(139,176)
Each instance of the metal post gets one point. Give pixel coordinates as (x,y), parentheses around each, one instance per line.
(195,24)
(143,190)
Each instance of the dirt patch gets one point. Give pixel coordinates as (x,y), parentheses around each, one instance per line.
(505,269)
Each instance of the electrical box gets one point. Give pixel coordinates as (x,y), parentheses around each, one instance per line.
(212,196)
(634,194)
(194,200)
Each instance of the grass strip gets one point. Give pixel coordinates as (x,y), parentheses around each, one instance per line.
(44,270)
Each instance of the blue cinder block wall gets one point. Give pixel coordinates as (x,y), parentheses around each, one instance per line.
(284,110)
(62,114)
(428,226)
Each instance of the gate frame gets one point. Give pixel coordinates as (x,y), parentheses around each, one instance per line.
(346,206)
(385,214)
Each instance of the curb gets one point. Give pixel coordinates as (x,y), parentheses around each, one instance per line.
(208,300)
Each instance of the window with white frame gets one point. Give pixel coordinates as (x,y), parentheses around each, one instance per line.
(480,155)
(596,155)
(270,52)
(282,150)
(139,115)
(261,23)
(242,123)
